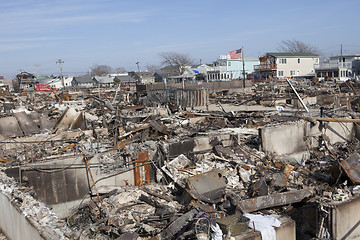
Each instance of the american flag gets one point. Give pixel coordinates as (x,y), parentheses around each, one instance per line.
(236,54)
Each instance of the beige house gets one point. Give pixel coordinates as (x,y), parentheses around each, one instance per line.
(284,65)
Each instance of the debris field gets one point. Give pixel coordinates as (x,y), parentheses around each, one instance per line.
(245,163)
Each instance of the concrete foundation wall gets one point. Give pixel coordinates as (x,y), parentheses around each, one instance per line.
(346,219)
(14,224)
(54,184)
(297,137)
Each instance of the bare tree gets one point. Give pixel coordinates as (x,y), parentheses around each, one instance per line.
(120,70)
(98,70)
(152,68)
(178,60)
(297,46)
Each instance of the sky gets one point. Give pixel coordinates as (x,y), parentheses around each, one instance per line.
(35,34)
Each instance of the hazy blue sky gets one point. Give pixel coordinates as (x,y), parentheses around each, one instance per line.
(119,33)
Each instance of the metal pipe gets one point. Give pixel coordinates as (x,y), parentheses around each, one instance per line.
(297,95)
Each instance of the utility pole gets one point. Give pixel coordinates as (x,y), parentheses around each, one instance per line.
(341,60)
(137,63)
(341,50)
(243,60)
(36,69)
(61,69)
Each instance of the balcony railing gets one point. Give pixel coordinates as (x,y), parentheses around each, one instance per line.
(323,66)
(262,67)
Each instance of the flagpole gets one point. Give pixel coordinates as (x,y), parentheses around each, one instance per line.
(243,59)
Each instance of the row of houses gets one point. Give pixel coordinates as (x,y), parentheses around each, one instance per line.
(274,65)
(28,81)
(227,67)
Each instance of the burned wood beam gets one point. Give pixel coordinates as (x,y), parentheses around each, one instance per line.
(332,119)
(162,196)
(145,126)
(273,200)
(179,224)
(159,127)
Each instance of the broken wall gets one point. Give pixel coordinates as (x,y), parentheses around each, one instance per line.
(23,217)
(345,219)
(65,180)
(15,225)
(296,138)
(205,143)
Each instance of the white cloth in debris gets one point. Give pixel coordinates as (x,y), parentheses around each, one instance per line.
(264,224)
(217,233)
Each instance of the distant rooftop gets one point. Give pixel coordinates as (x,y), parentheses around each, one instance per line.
(290,54)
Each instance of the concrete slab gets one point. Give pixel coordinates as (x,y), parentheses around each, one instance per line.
(27,123)
(9,127)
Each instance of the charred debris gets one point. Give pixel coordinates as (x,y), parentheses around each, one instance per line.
(84,164)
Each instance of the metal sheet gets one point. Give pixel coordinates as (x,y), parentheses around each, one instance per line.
(209,185)
(351,165)
(142,169)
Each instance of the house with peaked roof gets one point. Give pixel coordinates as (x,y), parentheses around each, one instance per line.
(84,82)
(163,74)
(284,65)
(143,77)
(57,82)
(26,80)
(105,81)
(126,82)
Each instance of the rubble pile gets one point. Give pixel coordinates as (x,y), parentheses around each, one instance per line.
(169,172)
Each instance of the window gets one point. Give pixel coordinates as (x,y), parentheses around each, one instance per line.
(229,64)
(298,60)
(280,73)
(282,60)
(292,73)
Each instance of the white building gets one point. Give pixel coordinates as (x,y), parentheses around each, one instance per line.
(57,83)
(284,65)
(226,69)
(342,67)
